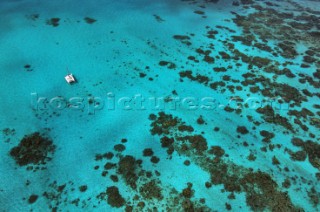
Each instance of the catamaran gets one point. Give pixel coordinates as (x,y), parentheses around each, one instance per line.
(70,78)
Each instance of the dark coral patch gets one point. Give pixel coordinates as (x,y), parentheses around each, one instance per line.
(242,129)
(166,142)
(151,190)
(199,12)
(168,64)
(32,199)
(33,149)
(155,159)
(163,124)
(188,192)
(267,135)
(108,155)
(114,197)
(89,20)
(183,128)
(126,167)
(258,186)
(312,149)
(200,120)
(217,151)
(183,39)
(119,147)
(198,78)
(198,142)
(83,188)
(53,22)
(147,152)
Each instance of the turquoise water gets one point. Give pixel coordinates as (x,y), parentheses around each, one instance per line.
(235,126)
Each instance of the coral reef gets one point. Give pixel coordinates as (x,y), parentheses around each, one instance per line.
(33,149)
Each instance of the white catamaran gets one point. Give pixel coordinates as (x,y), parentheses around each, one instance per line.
(70,78)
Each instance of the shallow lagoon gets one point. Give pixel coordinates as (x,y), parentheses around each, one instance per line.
(178,105)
